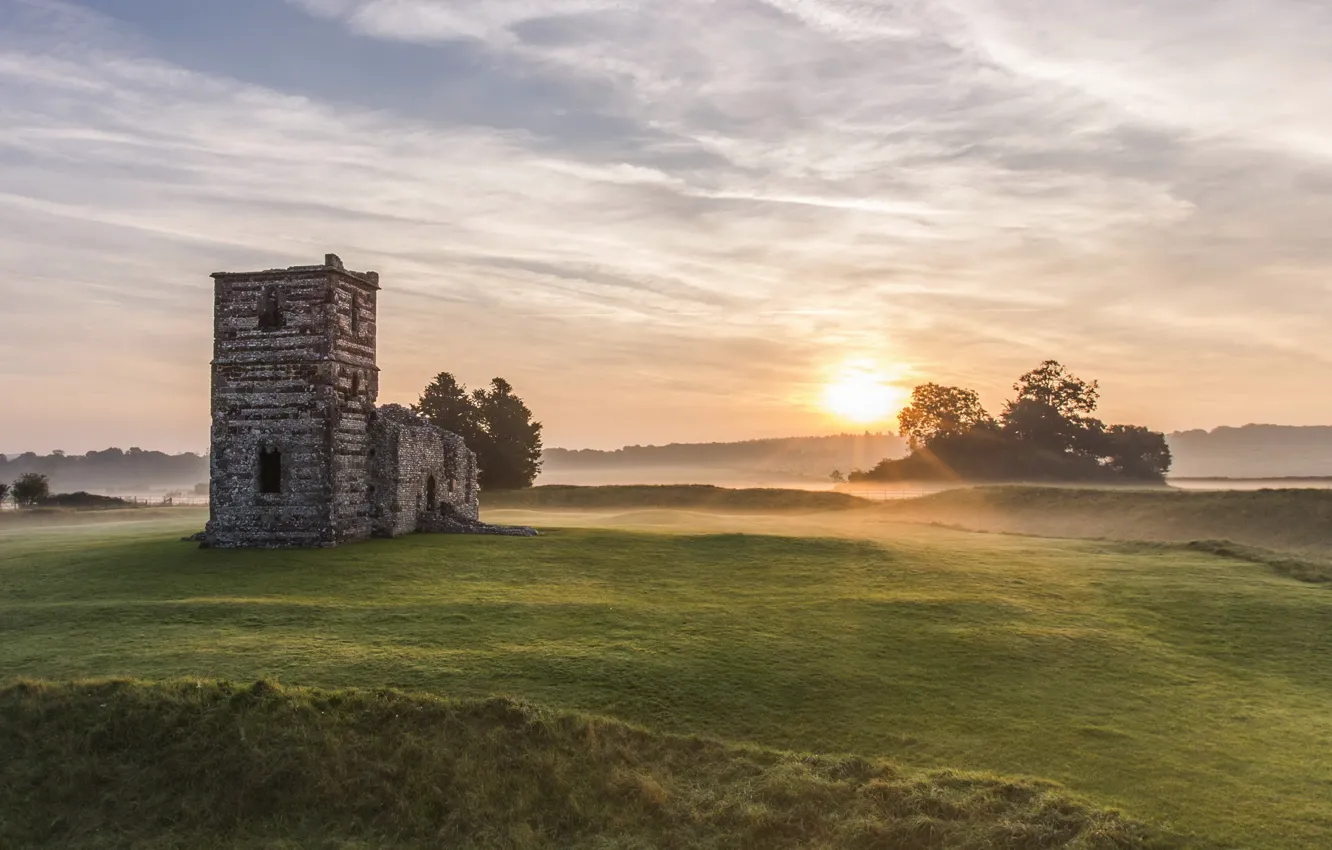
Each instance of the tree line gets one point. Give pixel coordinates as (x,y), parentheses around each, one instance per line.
(1046,432)
(109,470)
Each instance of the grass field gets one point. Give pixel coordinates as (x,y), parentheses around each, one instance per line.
(698,497)
(1188,688)
(1292,520)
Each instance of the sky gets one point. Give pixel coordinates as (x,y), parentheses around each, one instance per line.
(674,221)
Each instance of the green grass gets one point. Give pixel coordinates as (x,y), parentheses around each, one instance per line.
(1294,520)
(1190,689)
(201,764)
(681,496)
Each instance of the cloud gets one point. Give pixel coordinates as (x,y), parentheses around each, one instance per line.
(736,194)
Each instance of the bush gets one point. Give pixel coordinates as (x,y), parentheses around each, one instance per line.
(83,500)
(30,489)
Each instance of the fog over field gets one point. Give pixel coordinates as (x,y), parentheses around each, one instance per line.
(1266,453)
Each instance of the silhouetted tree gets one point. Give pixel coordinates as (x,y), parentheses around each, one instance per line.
(1136,452)
(937,412)
(1048,434)
(837,476)
(1051,384)
(1052,410)
(4,492)
(447,404)
(509,448)
(495,424)
(30,489)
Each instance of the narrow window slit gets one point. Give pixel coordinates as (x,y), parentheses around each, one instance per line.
(270,309)
(270,471)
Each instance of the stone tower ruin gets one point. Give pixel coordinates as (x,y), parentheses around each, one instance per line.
(301,456)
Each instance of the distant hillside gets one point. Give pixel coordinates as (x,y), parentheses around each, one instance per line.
(110,471)
(790,460)
(1253,451)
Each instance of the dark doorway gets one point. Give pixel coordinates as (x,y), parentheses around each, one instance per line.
(431,495)
(270,471)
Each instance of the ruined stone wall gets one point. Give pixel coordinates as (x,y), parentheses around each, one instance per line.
(464,491)
(356,385)
(408,453)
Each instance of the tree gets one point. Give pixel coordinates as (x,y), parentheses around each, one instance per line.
(494,423)
(509,447)
(4,491)
(30,489)
(1136,452)
(1052,385)
(937,412)
(837,476)
(446,403)
(1052,410)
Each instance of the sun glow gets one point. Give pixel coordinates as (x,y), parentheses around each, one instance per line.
(862,394)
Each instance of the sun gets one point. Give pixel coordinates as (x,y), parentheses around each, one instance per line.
(862,394)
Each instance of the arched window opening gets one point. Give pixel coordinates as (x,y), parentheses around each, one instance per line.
(270,309)
(431,495)
(270,471)
(356,313)
(356,385)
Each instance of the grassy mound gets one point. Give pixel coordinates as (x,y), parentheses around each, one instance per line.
(686,496)
(1309,569)
(1291,520)
(211,765)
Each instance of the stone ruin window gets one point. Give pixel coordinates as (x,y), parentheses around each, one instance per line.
(270,471)
(453,486)
(432,497)
(356,314)
(270,309)
(356,384)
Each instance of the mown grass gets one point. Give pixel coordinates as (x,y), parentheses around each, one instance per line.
(1188,688)
(688,496)
(204,764)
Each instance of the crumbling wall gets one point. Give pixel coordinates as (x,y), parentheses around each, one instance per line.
(419,471)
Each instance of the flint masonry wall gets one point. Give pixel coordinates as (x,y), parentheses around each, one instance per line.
(425,472)
(294,379)
(356,385)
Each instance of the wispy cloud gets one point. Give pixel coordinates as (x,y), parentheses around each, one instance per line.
(732,194)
